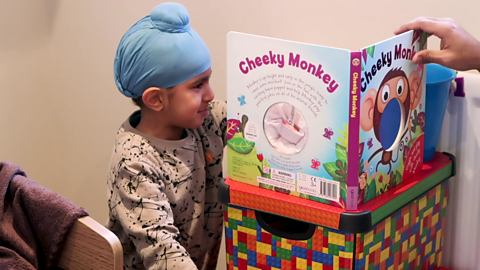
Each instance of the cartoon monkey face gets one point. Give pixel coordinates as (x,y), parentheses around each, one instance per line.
(395,85)
(394,88)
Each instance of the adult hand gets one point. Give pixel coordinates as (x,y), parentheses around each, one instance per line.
(458,49)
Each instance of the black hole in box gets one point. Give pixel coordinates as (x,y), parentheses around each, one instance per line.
(285,227)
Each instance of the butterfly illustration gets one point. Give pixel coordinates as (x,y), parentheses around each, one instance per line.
(328,133)
(420,106)
(242,100)
(315,164)
(370,143)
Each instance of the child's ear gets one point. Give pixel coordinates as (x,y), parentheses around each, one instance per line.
(155,98)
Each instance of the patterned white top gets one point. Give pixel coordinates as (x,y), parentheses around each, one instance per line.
(163,195)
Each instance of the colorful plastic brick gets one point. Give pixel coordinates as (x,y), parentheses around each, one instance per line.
(410,238)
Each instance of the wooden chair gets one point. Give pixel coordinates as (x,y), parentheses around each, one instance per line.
(91,246)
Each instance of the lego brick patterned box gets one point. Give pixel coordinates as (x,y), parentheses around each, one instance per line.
(321,122)
(404,231)
(411,238)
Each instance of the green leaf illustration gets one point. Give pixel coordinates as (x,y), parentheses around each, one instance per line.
(415,121)
(317,199)
(360,167)
(243,124)
(342,171)
(371,50)
(331,169)
(371,191)
(421,121)
(341,152)
(240,145)
(266,186)
(305,196)
(343,141)
(260,169)
(343,194)
(424,39)
(398,177)
(341,165)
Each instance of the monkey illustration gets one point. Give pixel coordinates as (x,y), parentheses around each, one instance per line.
(362,184)
(356,62)
(395,87)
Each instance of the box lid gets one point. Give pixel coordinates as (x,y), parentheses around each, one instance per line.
(369,214)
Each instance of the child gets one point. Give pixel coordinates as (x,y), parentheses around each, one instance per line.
(167,160)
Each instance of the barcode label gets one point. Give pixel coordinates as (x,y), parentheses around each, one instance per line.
(329,189)
(319,187)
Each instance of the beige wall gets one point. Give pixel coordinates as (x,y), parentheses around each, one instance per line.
(28,126)
(59,104)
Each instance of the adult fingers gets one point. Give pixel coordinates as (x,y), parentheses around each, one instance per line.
(430,56)
(433,26)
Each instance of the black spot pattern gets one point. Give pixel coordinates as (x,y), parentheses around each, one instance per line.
(163,200)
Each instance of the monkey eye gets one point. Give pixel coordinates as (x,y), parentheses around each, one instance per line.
(385,93)
(400,87)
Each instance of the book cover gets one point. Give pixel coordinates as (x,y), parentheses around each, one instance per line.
(392,114)
(296,120)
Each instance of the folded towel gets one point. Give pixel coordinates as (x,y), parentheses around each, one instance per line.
(34,221)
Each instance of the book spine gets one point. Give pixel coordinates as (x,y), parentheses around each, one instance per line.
(353,131)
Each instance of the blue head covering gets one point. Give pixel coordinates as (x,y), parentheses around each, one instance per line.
(160,50)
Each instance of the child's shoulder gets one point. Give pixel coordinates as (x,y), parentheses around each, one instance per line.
(125,136)
(133,151)
(132,144)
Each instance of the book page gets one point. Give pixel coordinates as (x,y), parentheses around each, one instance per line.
(392,114)
(288,111)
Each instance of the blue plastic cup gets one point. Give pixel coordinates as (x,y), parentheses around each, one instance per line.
(439,79)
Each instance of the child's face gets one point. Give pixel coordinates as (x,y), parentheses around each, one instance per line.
(188,101)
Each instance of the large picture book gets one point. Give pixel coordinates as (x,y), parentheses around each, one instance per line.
(327,124)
